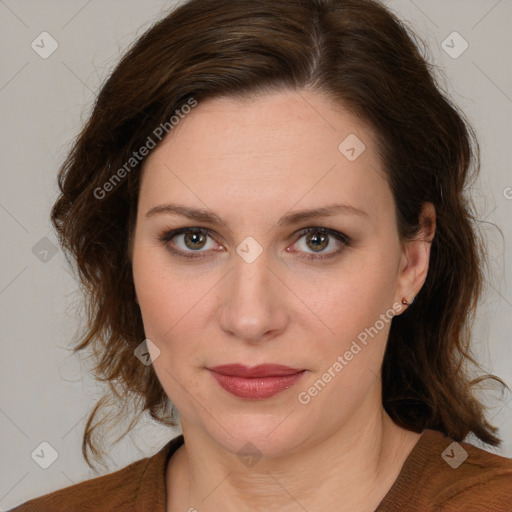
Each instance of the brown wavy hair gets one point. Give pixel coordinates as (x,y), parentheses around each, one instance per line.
(354,51)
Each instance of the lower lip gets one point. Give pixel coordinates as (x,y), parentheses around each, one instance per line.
(256,388)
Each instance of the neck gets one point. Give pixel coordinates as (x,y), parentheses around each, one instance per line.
(352,469)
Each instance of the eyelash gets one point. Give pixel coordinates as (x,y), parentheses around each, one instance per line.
(166,237)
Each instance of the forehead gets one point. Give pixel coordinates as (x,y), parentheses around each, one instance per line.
(278,148)
(301,121)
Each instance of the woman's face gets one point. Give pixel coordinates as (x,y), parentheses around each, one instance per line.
(256,289)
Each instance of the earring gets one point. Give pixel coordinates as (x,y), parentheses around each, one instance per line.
(405,303)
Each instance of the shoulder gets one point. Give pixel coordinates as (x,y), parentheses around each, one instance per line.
(471,478)
(141,483)
(108,492)
(441,474)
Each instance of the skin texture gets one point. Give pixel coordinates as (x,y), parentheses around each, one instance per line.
(251,162)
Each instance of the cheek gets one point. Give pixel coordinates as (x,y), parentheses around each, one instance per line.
(166,313)
(173,306)
(159,301)
(359,293)
(348,362)
(358,310)
(155,298)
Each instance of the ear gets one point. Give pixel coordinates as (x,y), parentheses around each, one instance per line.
(416,257)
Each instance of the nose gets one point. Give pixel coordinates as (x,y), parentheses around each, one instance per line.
(253,301)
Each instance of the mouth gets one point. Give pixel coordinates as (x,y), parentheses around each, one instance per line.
(255,383)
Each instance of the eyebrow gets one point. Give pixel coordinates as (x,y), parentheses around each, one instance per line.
(207,216)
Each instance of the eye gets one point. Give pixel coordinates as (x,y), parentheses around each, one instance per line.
(189,242)
(319,239)
(192,240)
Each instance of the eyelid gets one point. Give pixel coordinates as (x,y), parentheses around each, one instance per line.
(339,236)
(167,236)
(332,232)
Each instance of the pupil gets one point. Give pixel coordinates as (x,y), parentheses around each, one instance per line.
(317,240)
(194,239)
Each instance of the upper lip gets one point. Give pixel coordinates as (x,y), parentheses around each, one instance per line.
(262,370)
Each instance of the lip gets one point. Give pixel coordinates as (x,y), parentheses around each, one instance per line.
(262,370)
(257,382)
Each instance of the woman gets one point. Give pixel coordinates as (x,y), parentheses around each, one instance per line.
(267,210)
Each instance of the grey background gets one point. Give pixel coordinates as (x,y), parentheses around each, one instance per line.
(46,393)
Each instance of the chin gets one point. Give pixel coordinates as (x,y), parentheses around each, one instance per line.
(266,435)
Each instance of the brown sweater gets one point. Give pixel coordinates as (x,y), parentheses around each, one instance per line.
(436,476)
